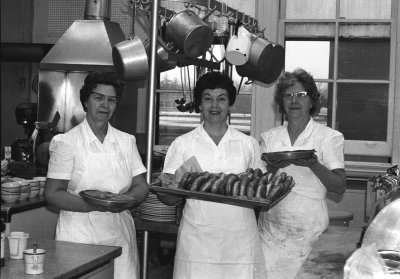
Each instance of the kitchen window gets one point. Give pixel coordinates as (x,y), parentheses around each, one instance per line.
(349,48)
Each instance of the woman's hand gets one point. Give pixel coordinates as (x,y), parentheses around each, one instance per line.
(169,199)
(273,166)
(106,209)
(309,162)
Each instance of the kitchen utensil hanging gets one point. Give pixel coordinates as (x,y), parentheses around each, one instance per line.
(238,48)
(130,57)
(183,105)
(189,33)
(266,60)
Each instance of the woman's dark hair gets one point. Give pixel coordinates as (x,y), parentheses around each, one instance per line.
(213,80)
(95,78)
(288,79)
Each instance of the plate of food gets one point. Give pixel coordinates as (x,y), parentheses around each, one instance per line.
(287,155)
(109,199)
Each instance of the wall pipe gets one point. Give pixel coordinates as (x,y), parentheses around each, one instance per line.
(151,116)
(24,52)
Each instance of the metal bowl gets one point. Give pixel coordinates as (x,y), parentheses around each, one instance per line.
(384,230)
(109,199)
(288,155)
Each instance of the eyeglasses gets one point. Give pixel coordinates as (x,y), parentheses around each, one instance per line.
(301,95)
(113,100)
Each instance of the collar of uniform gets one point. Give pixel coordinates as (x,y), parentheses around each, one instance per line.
(306,132)
(203,134)
(110,137)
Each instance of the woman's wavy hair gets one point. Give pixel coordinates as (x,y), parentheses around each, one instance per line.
(213,80)
(95,78)
(288,79)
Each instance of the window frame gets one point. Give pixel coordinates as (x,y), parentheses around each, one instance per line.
(354,147)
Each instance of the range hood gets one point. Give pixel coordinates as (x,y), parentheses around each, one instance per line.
(87,44)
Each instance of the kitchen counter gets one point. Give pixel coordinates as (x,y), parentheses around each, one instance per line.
(65,260)
(330,253)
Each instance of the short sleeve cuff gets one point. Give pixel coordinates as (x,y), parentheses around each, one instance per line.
(55,175)
(138,171)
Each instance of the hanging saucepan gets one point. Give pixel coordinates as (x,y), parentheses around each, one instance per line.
(163,64)
(266,61)
(238,48)
(130,59)
(189,33)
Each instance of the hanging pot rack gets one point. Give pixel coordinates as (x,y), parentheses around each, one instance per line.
(220,7)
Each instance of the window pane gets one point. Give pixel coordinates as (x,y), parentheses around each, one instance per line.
(313,56)
(364,59)
(365,9)
(316,9)
(365,30)
(362,111)
(310,30)
(325,114)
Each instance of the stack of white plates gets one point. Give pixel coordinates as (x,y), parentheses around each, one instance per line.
(154,210)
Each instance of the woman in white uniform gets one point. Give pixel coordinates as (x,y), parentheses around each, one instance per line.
(289,229)
(94,155)
(216,240)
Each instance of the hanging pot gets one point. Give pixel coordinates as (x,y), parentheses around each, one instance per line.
(189,33)
(130,59)
(163,64)
(266,61)
(238,48)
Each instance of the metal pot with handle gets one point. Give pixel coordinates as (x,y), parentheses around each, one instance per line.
(266,61)
(130,59)
(189,33)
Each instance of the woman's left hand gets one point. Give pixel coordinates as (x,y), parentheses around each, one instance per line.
(309,162)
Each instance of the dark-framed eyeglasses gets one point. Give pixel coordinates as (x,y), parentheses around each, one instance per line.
(298,95)
(98,97)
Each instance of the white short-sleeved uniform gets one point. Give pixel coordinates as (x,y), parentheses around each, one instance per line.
(290,228)
(217,240)
(78,156)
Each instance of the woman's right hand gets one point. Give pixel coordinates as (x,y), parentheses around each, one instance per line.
(169,199)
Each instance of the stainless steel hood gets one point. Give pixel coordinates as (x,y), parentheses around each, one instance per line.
(87,44)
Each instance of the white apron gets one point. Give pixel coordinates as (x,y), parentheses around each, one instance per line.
(218,240)
(289,230)
(105,172)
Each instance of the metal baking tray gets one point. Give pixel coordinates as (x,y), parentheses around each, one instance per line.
(118,201)
(232,200)
(288,155)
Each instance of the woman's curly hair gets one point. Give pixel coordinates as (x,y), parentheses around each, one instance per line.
(288,79)
(213,80)
(95,78)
